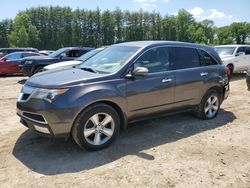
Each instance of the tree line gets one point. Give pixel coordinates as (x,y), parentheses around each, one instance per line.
(56,27)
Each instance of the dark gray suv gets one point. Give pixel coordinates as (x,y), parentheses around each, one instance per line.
(124,83)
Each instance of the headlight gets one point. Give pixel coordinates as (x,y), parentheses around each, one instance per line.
(28,62)
(48,94)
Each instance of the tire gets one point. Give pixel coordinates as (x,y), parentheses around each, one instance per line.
(91,132)
(231,68)
(209,106)
(38,69)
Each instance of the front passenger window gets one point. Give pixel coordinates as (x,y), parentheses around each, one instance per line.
(73,53)
(155,60)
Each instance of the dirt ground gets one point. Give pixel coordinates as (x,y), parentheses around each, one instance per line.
(175,151)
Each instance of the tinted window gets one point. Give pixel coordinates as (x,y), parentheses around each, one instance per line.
(207,59)
(241,49)
(247,49)
(181,58)
(30,54)
(14,56)
(73,53)
(155,60)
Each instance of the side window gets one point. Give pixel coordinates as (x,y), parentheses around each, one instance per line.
(14,56)
(182,58)
(155,60)
(29,54)
(73,53)
(81,52)
(241,49)
(247,50)
(206,59)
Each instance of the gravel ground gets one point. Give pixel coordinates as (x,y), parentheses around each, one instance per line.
(174,151)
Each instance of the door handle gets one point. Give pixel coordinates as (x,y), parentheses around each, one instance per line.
(203,73)
(166,80)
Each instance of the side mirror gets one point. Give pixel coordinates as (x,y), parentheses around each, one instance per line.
(240,54)
(138,71)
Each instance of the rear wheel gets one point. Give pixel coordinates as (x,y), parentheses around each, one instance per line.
(209,106)
(96,127)
(231,70)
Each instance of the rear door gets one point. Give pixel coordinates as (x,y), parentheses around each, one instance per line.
(154,92)
(189,75)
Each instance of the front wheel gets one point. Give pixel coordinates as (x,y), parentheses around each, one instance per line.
(209,106)
(96,127)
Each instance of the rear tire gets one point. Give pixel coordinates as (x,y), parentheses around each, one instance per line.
(96,127)
(209,106)
(231,68)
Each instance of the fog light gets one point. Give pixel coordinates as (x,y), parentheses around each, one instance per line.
(41,129)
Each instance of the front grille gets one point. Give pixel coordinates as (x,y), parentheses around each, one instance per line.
(34,117)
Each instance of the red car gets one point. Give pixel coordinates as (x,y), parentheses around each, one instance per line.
(9,63)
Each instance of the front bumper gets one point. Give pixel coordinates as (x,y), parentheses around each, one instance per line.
(26,70)
(46,118)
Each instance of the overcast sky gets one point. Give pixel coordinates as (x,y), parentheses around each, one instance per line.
(222,12)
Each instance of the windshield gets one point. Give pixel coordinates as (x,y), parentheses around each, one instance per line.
(225,50)
(57,53)
(110,59)
(89,54)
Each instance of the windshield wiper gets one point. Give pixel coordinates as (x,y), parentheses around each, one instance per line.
(88,69)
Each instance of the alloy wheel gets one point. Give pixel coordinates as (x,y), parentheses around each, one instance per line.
(211,106)
(99,129)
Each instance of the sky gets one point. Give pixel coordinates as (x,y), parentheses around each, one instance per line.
(222,12)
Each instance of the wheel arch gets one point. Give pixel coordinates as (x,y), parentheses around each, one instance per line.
(122,115)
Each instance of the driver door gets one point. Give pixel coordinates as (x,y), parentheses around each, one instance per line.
(155,91)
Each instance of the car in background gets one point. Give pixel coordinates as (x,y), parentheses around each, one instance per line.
(5,51)
(9,64)
(70,64)
(33,65)
(248,79)
(235,57)
(46,52)
(124,83)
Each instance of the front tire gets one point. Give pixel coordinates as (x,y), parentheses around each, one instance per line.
(96,127)
(37,70)
(209,106)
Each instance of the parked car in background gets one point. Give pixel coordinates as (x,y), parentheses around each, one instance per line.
(5,51)
(46,52)
(9,64)
(124,83)
(235,57)
(70,64)
(248,80)
(33,65)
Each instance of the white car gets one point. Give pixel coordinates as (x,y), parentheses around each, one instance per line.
(70,64)
(235,57)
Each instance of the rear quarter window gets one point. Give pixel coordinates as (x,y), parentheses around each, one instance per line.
(207,59)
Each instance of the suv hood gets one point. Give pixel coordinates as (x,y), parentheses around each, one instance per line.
(62,78)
